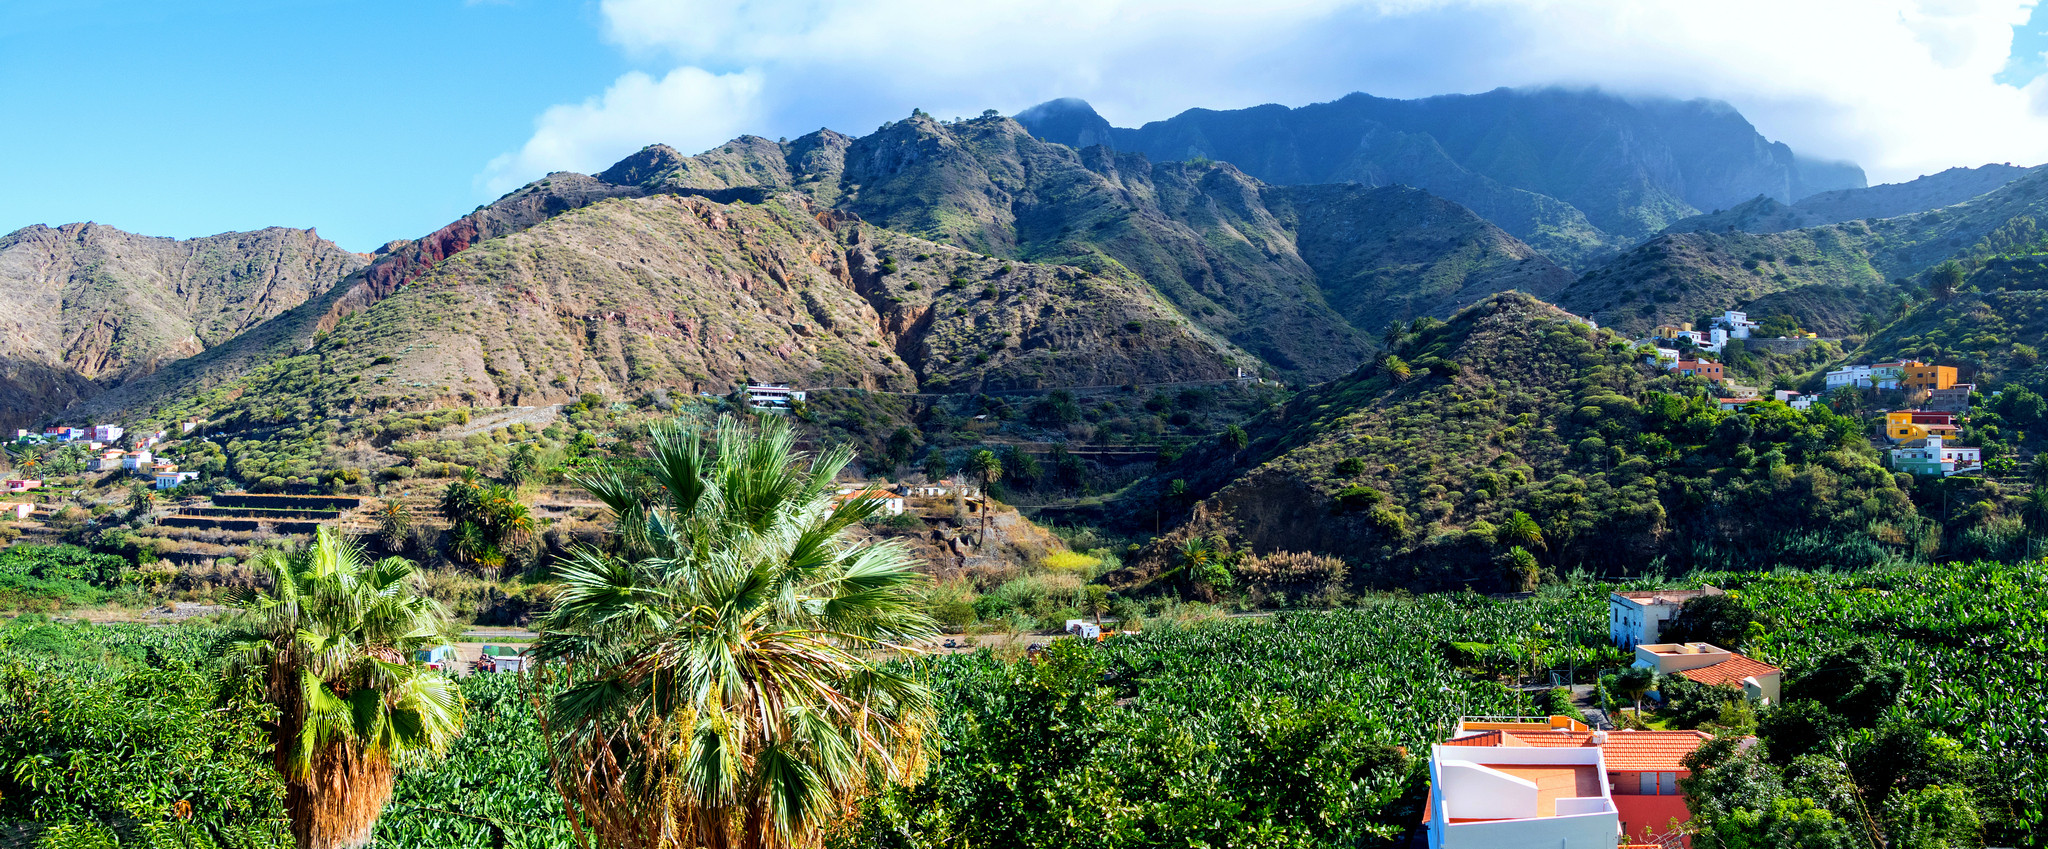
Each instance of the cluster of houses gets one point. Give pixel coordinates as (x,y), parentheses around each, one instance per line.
(1555,781)
(895,497)
(1923,440)
(1729,326)
(103,438)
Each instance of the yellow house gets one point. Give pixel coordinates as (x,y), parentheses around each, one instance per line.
(1909,425)
(1924,376)
(1666,331)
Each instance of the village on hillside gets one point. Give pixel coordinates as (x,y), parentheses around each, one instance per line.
(1922,438)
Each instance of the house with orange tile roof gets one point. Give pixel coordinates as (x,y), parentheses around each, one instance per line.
(1709,664)
(1638,770)
(892,502)
(1483,797)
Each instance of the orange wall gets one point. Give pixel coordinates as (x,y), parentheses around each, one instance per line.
(1653,813)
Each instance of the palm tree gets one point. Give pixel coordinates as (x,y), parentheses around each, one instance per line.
(724,682)
(1635,681)
(988,468)
(333,643)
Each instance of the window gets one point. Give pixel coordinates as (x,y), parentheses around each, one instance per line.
(1667,783)
(1649,782)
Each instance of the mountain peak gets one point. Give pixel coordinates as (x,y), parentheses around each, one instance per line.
(644,165)
(1069,121)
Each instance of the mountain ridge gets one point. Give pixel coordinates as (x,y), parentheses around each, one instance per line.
(1612,170)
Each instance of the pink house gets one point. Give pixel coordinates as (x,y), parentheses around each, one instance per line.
(19,485)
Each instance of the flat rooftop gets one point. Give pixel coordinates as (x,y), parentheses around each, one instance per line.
(1553,782)
(1668,596)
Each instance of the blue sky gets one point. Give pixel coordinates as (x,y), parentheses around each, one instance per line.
(368,120)
(376,120)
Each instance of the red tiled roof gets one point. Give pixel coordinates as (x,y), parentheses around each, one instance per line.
(1730,671)
(1624,751)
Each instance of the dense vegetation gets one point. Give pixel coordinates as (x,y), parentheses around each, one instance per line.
(1516,427)
(1901,681)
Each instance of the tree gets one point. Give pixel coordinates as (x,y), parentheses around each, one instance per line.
(1395,367)
(1519,567)
(1854,683)
(394,525)
(1945,280)
(333,643)
(522,465)
(1934,817)
(1633,682)
(1235,438)
(730,687)
(1722,620)
(1519,530)
(1095,601)
(987,469)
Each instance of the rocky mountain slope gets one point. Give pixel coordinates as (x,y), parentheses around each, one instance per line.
(1413,468)
(86,306)
(1763,214)
(1575,173)
(396,264)
(1262,266)
(680,292)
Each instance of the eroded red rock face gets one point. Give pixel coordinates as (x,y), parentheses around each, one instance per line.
(400,267)
(416,259)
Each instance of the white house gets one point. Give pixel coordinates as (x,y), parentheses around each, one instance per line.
(107,433)
(1707,663)
(922,490)
(17,510)
(775,397)
(137,461)
(1084,629)
(1881,376)
(1933,456)
(1796,400)
(1639,616)
(1736,323)
(1520,796)
(167,480)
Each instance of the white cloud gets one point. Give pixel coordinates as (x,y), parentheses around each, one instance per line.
(689,108)
(1904,87)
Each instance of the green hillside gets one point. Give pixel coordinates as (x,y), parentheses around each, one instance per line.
(1415,468)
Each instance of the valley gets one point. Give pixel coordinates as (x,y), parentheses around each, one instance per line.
(1247,449)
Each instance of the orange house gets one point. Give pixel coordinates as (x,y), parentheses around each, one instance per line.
(1643,767)
(1698,368)
(1923,376)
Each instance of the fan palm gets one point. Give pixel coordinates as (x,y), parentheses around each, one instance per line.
(334,642)
(725,687)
